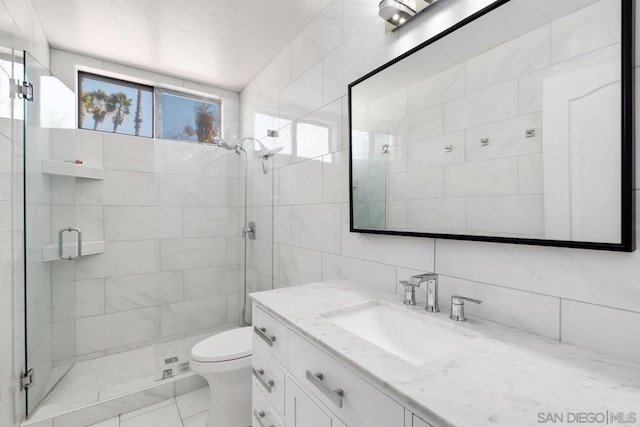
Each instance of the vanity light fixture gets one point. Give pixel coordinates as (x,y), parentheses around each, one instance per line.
(398,12)
(392,10)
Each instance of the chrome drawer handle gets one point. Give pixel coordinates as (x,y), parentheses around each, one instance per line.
(262,333)
(333,395)
(266,383)
(259,416)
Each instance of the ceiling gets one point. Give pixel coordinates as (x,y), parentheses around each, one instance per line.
(224,43)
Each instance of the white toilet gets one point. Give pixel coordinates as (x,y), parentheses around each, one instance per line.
(224,360)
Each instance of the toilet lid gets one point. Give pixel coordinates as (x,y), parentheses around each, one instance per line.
(227,345)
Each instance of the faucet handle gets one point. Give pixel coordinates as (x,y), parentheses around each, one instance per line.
(409,283)
(457,299)
(457,307)
(409,291)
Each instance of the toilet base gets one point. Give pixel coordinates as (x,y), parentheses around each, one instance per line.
(230,398)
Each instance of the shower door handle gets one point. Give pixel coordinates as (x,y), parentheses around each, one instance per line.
(78,243)
(249,231)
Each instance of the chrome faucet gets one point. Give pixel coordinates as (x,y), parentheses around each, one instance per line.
(457,307)
(432,293)
(432,290)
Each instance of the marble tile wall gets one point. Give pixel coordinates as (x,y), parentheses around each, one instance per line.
(170,259)
(470,186)
(169,213)
(587,298)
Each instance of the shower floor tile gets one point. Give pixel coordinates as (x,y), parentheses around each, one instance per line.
(101,375)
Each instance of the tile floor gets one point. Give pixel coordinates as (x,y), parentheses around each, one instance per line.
(187,410)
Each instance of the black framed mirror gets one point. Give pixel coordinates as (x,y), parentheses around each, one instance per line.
(514,126)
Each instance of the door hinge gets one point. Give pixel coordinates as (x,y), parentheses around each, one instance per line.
(21,90)
(26,380)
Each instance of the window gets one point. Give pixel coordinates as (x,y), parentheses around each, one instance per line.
(312,140)
(112,105)
(8,108)
(304,139)
(187,118)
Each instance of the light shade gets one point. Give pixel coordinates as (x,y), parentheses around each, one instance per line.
(393,11)
(398,12)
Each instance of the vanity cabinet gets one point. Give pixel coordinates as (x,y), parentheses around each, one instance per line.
(298,384)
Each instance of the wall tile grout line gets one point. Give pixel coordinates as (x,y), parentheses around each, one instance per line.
(560,319)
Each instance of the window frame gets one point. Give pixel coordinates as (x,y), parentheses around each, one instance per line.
(112,80)
(157,109)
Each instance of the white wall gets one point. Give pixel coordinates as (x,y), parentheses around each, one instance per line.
(19,30)
(583,297)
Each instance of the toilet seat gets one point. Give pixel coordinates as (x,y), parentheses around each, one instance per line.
(206,368)
(226,346)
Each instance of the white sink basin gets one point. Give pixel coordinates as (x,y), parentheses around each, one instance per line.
(407,336)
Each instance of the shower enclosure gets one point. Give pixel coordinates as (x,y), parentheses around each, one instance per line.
(134,250)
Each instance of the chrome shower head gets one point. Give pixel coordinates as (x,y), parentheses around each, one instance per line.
(222,143)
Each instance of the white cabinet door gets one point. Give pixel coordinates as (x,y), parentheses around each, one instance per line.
(303,411)
(417,422)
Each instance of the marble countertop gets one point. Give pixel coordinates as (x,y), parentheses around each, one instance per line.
(504,377)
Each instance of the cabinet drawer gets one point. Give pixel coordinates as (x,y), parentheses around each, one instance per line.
(270,335)
(360,404)
(269,378)
(263,414)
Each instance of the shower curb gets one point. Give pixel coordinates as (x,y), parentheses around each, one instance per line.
(118,405)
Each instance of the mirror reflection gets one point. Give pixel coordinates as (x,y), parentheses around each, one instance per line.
(500,128)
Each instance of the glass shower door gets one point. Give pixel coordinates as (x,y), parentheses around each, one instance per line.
(50,234)
(373,153)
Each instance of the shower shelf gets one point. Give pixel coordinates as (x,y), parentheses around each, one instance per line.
(50,252)
(58,167)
